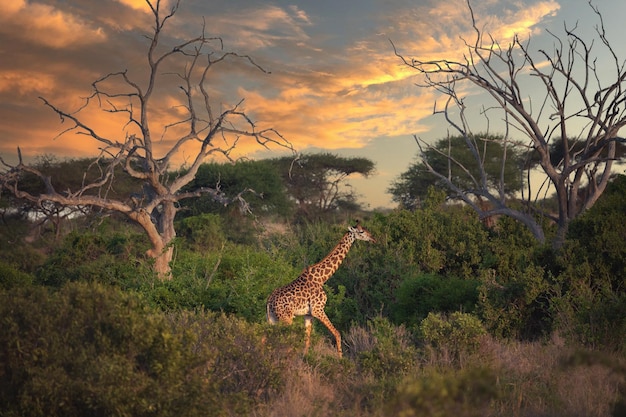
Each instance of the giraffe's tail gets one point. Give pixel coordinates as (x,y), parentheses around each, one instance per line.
(269,313)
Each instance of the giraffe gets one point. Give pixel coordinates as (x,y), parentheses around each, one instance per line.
(305,295)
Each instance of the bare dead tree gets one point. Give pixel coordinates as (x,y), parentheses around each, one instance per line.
(211,127)
(571,131)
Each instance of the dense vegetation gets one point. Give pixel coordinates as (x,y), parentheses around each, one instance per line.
(443,316)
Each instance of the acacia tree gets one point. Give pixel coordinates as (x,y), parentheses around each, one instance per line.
(412,185)
(578,116)
(207,125)
(318,182)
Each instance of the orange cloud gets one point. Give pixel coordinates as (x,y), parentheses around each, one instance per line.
(25,82)
(43,24)
(524,21)
(140,5)
(357,95)
(441,34)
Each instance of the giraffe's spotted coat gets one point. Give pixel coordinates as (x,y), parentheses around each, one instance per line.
(305,295)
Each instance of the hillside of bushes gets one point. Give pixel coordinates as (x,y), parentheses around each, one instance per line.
(441,317)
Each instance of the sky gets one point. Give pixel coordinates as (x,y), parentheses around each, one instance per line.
(332,82)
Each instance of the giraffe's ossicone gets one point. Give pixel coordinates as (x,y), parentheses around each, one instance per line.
(305,295)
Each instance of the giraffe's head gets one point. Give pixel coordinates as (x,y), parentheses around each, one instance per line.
(361,233)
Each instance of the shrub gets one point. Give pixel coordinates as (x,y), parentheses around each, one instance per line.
(234,280)
(515,305)
(589,301)
(464,393)
(15,234)
(247,362)
(419,295)
(455,335)
(92,350)
(384,354)
(202,232)
(13,278)
(114,258)
(438,239)
(382,349)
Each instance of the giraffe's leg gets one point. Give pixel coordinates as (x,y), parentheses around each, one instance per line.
(308,321)
(321,316)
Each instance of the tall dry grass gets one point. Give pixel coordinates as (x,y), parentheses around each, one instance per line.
(527,379)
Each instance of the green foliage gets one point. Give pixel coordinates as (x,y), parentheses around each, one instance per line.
(384,354)
(259,183)
(90,350)
(254,187)
(589,300)
(246,362)
(73,173)
(342,310)
(418,295)
(202,232)
(444,240)
(600,233)
(458,334)
(318,183)
(383,349)
(234,280)
(214,305)
(11,277)
(94,350)
(511,247)
(244,280)
(515,305)
(463,393)
(411,188)
(515,285)
(116,258)
(15,229)
(595,318)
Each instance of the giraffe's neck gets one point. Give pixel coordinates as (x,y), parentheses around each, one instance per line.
(324,269)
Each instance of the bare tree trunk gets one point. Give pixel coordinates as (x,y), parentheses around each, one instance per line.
(167,233)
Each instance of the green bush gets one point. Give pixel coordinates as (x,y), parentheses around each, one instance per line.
(585,305)
(589,299)
(438,239)
(464,393)
(516,305)
(417,296)
(13,278)
(113,258)
(383,354)
(15,234)
(236,280)
(92,350)
(246,362)
(202,233)
(456,335)
(383,349)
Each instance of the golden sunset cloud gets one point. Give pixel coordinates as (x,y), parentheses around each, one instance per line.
(44,24)
(325,91)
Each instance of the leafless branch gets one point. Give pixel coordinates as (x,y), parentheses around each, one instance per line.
(574,91)
(211,132)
